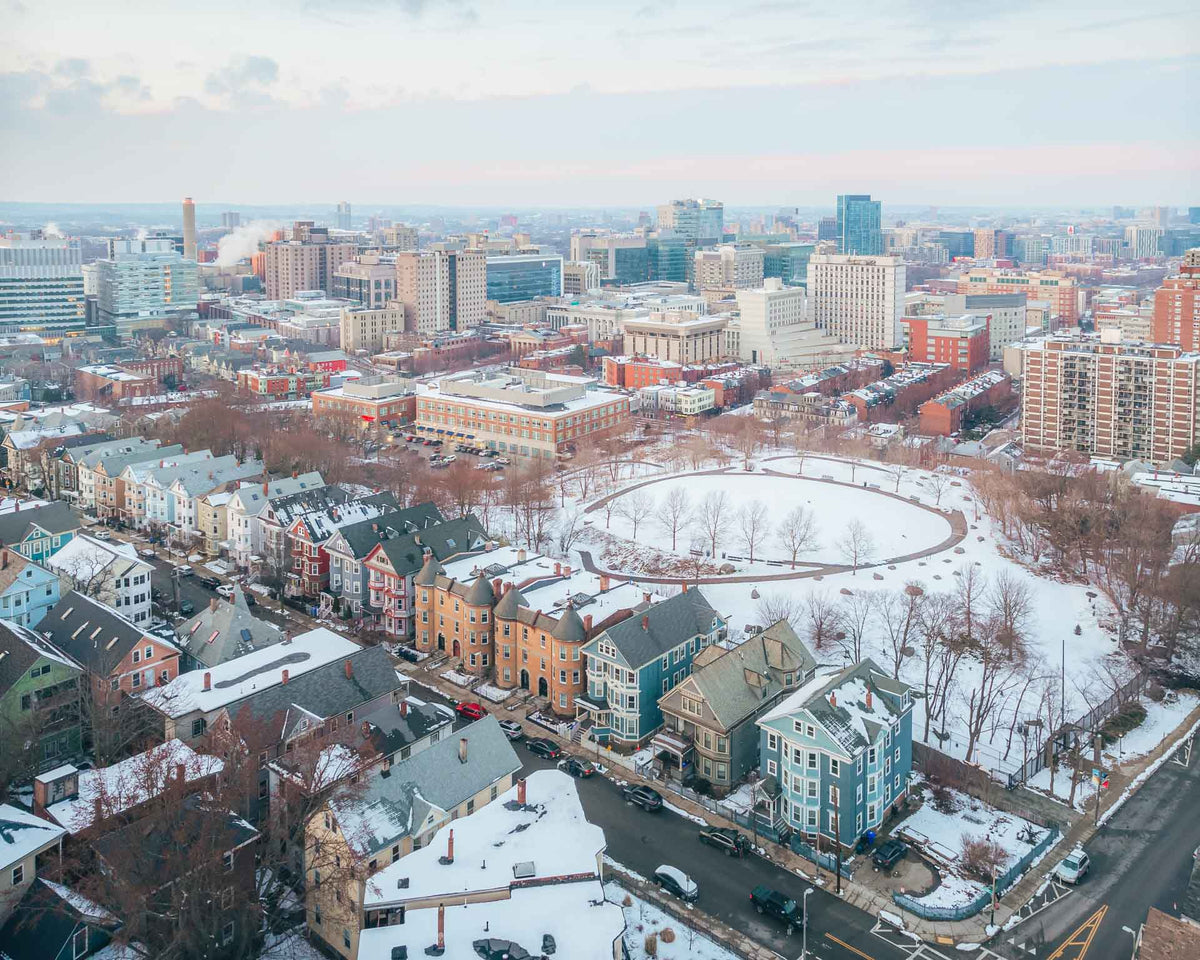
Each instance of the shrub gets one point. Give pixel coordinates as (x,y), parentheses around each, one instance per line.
(651,945)
(981,858)
(628,901)
(667,935)
(944,800)
(1132,715)
(1155,692)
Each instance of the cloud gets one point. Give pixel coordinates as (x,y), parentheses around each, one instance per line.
(240,73)
(73,68)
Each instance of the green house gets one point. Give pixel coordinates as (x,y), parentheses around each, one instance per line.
(39,702)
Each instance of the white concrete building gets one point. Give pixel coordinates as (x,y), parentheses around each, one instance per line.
(730,266)
(859,300)
(774,328)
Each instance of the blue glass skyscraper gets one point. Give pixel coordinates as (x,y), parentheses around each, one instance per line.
(859,229)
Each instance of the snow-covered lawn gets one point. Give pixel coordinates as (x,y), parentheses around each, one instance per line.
(941,836)
(897,528)
(643,917)
(741,799)
(1161,719)
(459,679)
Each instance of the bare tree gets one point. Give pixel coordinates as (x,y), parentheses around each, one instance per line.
(939,483)
(752,524)
(636,507)
(570,530)
(780,605)
(856,544)
(857,612)
(900,616)
(822,618)
(674,513)
(997,673)
(714,517)
(1010,606)
(970,589)
(797,532)
(941,651)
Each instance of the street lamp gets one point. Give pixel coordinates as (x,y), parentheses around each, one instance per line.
(804,925)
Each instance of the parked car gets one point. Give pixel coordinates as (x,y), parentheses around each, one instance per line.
(225,590)
(512,729)
(675,881)
(211,582)
(1074,867)
(889,853)
(183,570)
(504,461)
(734,844)
(772,903)
(540,746)
(102,535)
(647,798)
(578,768)
(147,553)
(409,654)
(186,607)
(470,710)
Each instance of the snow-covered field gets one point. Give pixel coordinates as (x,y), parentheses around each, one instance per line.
(643,917)
(897,528)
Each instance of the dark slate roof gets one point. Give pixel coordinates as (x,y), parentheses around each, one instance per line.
(42,924)
(389,731)
(287,509)
(570,628)
(428,574)
(56,517)
(481,593)
(510,603)
(444,540)
(361,537)
(669,623)
(237,631)
(324,692)
(91,632)
(20,649)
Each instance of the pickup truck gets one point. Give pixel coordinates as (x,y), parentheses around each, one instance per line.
(778,905)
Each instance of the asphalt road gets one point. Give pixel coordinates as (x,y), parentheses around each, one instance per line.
(643,841)
(1141,858)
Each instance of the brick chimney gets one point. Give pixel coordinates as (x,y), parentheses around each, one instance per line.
(567,570)
(284,680)
(645,623)
(441,944)
(604,582)
(685,586)
(645,596)
(404,708)
(521,791)
(450,847)
(557,569)
(869,707)
(349,668)
(181,772)
(208,680)
(4,559)
(496,585)
(587,623)
(833,698)
(521,555)
(462,749)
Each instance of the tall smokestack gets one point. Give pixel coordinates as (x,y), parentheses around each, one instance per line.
(189,229)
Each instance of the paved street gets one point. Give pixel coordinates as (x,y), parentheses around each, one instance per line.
(1142,858)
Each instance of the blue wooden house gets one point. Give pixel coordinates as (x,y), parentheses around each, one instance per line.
(27,590)
(37,533)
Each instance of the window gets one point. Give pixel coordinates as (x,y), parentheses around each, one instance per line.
(136,679)
(872,756)
(811,789)
(870,813)
(809,731)
(858,765)
(772,741)
(835,767)
(227,898)
(858,824)
(897,754)
(897,783)
(772,768)
(114,683)
(858,793)
(79,943)
(148,653)
(18,875)
(137,656)
(227,861)
(812,759)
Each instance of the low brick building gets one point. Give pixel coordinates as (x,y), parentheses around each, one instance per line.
(945,413)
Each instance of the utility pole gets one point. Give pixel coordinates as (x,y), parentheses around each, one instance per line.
(992,922)
(804,928)
(837,835)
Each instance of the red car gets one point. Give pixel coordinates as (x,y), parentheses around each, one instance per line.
(470,710)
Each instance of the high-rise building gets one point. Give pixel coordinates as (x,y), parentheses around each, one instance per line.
(730,266)
(859,300)
(700,220)
(991,244)
(622,258)
(773,328)
(231,219)
(670,257)
(41,286)
(365,328)
(400,238)
(788,261)
(958,243)
(307,261)
(344,217)
(859,225)
(1161,216)
(827,229)
(580,276)
(367,280)
(143,283)
(523,276)
(1177,306)
(1143,242)
(1030,250)
(1058,289)
(1111,398)
(1004,312)
(189,229)
(442,289)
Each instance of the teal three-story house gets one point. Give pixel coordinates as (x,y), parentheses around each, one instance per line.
(836,754)
(631,664)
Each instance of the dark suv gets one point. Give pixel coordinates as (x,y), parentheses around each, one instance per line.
(726,839)
(645,797)
(888,854)
(777,905)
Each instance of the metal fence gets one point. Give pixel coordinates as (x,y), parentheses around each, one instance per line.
(754,822)
(1003,883)
(825,860)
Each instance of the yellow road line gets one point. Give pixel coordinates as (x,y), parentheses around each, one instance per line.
(843,943)
(1082,937)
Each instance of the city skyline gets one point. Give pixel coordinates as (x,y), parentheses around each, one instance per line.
(911,104)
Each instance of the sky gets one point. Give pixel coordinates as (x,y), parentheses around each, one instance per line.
(532,103)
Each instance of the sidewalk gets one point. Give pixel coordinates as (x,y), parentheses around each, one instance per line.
(972,930)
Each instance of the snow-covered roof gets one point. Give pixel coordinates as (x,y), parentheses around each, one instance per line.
(129,783)
(242,676)
(85,557)
(22,834)
(548,836)
(576,915)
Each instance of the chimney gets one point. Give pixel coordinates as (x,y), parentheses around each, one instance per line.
(181,772)
(462,749)
(869,707)
(404,708)
(645,623)
(567,570)
(521,555)
(587,623)
(450,847)
(557,569)
(833,698)
(285,676)
(496,587)
(4,559)
(208,680)
(366,729)
(604,583)
(295,474)
(685,586)
(441,944)
(645,596)
(521,791)
(266,486)
(349,668)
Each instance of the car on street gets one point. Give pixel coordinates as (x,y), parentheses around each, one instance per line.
(578,768)
(183,570)
(889,853)
(541,747)
(675,881)
(772,903)
(512,729)
(102,535)
(211,582)
(1074,867)
(147,553)
(250,601)
(225,590)
(726,839)
(647,798)
(408,653)
(186,607)
(470,710)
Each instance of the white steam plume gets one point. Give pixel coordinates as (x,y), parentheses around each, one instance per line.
(243,241)
(51,230)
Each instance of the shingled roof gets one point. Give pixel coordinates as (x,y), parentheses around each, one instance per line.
(656,628)
(20,649)
(92,633)
(361,537)
(226,629)
(55,517)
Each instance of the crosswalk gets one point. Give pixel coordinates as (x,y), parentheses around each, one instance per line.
(917,949)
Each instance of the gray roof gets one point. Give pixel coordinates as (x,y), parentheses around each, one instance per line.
(842,721)
(390,730)
(510,603)
(387,808)
(481,593)
(361,537)
(92,453)
(91,633)
(569,628)
(20,649)
(668,624)
(428,574)
(237,631)
(444,540)
(324,692)
(114,463)
(55,517)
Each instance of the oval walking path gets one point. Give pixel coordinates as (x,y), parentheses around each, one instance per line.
(958,533)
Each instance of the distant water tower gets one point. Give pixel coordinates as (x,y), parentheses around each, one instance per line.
(189,229)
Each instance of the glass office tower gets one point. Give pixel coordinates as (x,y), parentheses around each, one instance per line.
(858,225)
